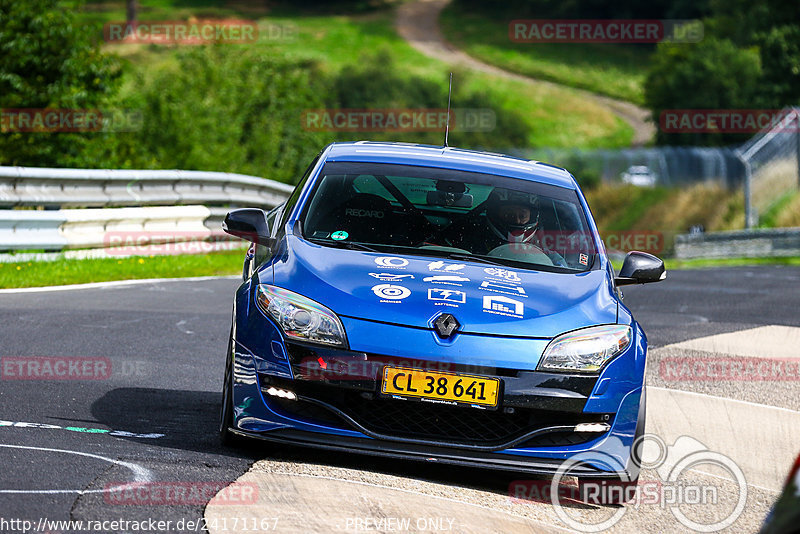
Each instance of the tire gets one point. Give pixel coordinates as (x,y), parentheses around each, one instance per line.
(226,437)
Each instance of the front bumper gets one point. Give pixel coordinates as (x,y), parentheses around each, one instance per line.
(338,408)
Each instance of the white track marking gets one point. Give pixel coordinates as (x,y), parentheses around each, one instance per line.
(726,399)
(772,341)
(115,283)
(741,430)
(181,326)
(140,474)
(403,490)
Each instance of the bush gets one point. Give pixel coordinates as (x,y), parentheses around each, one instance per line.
(47,60)
(239,110)
(226,109)
(376,82)
(712,74)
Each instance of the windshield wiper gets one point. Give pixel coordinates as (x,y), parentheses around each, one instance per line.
(476,259)
(343,244)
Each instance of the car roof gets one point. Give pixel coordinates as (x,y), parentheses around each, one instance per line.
(451,158)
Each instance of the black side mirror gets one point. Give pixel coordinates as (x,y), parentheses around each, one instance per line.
(250,224)
(640,268)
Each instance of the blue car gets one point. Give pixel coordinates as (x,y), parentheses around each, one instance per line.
(437,304)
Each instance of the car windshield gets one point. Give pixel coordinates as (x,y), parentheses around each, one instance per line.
(447,213)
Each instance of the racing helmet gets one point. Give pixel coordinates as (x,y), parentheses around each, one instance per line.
(513,215)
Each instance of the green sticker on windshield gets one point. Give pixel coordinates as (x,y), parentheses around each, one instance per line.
(339,235)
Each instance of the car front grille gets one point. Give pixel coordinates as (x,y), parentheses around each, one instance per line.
(423,421)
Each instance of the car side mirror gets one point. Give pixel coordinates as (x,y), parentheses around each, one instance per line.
(640,268)
(250,224)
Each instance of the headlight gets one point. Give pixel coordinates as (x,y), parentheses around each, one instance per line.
(300,317)
(585,350)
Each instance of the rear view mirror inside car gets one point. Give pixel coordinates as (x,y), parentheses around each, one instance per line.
(446,198)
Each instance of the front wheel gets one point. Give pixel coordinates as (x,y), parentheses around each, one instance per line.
(226,437)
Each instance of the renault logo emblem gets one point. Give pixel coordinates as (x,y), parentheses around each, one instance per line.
(445,325)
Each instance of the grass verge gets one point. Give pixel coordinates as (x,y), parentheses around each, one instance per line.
(699,263)
(607,69)
(73,271)
(555,117)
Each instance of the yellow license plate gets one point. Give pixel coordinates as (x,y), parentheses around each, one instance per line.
(453,387)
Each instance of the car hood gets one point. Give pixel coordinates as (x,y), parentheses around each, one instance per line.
(413,290)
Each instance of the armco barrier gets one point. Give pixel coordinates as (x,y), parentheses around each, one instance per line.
(36,186)
(189,202)
(31,230)
(94,228)
(739,244)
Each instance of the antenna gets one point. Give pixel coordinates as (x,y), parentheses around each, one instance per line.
(447,125)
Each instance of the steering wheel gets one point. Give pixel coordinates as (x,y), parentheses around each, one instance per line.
(521,252)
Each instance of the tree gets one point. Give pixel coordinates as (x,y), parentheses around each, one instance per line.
(47,60)
(131,9)
(712,74)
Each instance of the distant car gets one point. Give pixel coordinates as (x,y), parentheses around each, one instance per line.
(640,176)
(379,315)
(785,515)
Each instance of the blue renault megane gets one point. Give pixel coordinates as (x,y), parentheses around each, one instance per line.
(437,304)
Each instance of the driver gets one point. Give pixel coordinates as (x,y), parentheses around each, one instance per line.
(511,218)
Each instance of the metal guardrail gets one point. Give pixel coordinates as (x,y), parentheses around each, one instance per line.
(100,228)
(188,203)
(770,242)
(38,186)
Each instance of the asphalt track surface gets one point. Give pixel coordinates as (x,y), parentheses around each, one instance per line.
(153,417)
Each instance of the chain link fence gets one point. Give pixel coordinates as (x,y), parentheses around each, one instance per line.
(767,167)
(771,163)
(665,166)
